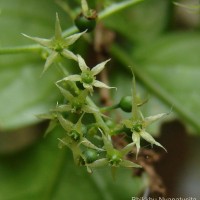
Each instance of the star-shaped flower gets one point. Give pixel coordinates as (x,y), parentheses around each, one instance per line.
(114,158)
(87,76)
(137,124)
(75,103)
(74,137)
(57,45)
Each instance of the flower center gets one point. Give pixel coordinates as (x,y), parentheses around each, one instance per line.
(76,105)
(87,77)
(137,127)
(114,158)
(74,135)
(58,47)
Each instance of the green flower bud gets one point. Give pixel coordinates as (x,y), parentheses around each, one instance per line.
(85,23)
(90,155)
(126,103)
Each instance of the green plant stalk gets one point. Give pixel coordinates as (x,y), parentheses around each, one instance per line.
(109,108)
(20,49)
(117,7)
(98,117)
(152,85)
(114,8)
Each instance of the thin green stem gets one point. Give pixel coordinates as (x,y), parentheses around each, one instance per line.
(98,117)
(21,49)
(114,8)
(117,7)
(109,108)
(153,86)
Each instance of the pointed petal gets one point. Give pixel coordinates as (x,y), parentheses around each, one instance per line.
(134,99)
(58,30)
(50,60)
(63,142)
(78,125)
(151,119)
(127,148)
(84,6)
(128,163)
(89,170)
(88,87)
(82,63)
(141,115)
(66,124)
(150,139)
(98,68)
(46,116)
(72,78)
(68,54)
(63,108)
(65,93)
(102,85)
(142,102)
(41,41)
(51,126)
(88,144)
(127,123)
(99,163)
(89,109)
(136,140)
(71,39)
(107,143)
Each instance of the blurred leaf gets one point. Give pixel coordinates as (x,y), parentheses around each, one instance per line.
(143,22)
(45,172)
(169,67)
(23,93)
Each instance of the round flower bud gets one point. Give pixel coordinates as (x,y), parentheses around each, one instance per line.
(90,155)
(126,103)
(85,23)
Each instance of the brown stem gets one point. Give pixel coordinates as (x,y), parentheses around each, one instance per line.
(103,39)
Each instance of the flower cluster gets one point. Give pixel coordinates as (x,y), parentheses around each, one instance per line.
(91,142)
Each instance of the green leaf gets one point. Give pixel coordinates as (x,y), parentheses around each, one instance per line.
(143,22)
(23,93)
(45,172)
(170,69)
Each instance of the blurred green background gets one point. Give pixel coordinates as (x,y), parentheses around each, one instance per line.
(161,39)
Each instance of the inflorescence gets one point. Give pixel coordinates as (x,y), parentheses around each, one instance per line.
(90,142)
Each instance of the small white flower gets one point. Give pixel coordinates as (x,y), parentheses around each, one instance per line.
(87,76)
(57,45)
(137,124)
